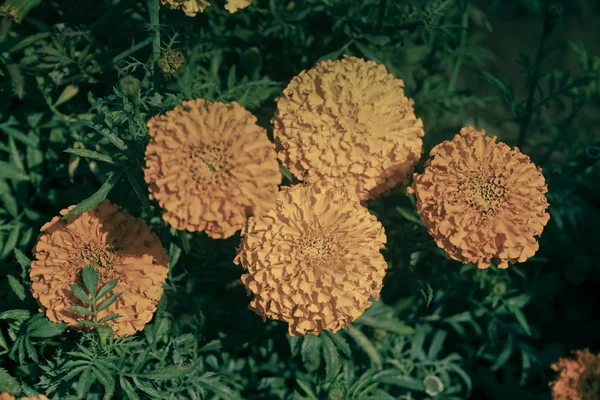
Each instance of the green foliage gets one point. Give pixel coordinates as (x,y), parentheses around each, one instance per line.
(79,81)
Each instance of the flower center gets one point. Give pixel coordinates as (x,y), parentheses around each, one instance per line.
(208,163)
(316,248)
(484,192)
(100,257)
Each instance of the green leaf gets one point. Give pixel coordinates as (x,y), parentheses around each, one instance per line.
(97,198)
(106,303)
(11,242)
(398,378)
(90,280)
(411,216)
(94,155)
(366,345)
(389,325)
(8,384)
(519,301)
(16,287)
(110,285)
(332,358)
(505,355)
(340,342)
(310,351)
(85,382)
(19,315)
(46,329)
(436,345)
(148,389)
(128,389)
(521,318)
(286,173)
(169,373)
(19,136)
(306,388)
(108,318)
(106,133)
(11,172)
(81,310)
(81,294)
(23,261)
(67,94)
(139,186)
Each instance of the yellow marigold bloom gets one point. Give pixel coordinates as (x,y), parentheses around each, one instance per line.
(482,201)
(6,396)
(192,7)
(314,260)
(348,122)
(210,166)
(578,378)
(114,242)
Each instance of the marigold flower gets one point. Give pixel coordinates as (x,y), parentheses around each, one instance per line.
(482,201)
(192,7)
(314,260)
(578,378)
(348,122)
(210,166)
(7,396)
(114,242)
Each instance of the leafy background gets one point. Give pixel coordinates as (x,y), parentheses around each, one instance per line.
(72,133)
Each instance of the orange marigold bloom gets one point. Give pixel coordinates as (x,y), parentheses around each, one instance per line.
(7,396)
(193,7)
(482,201)
(114,242)
(314,260)
(210,166)
(578,378)
(349,122)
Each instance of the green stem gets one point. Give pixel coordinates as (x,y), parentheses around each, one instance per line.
(535,76)
(153,12)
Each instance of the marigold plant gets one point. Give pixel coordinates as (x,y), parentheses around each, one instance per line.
(314,260)
(348,122)
(114,243)
(482,201)
(193,7)
(210,166)
(578,377)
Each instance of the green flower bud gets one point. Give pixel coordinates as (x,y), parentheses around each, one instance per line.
(336,393)
(500,288)
(433,385)
(171,64)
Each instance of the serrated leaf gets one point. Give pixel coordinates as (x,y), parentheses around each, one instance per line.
(114,139)
(16,287)
(107,303)
(97,198)
(169,373)
(19,315)
(81,310)
(340,343)
(365,344)
(332,359)
(90,280)
(108,318)
(398,378)
(23,261)
(8,384)
(310,351)
(11,242)
(86,379)
(409,215)
(94,155)
(110,285)
(521,319)
(128,389)
(81,294)
(47,329)
(436,345)
(306,388)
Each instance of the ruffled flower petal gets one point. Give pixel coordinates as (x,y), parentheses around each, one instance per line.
(482,201)
(117,245)
(210,166)
(578,377)
(314,260)
(348,122)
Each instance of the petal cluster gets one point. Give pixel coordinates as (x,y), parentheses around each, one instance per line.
(193,7)
(348,122)
(482,201)
(117,245)
(7,396)
(578,377)
(210,166)
(314,260)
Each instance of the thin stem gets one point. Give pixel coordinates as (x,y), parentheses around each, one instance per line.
(535,76)
(381,15)
(153,11)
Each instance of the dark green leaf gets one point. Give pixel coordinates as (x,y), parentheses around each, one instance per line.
(108,318)
(128,389)
(389,325)
(81,294)
(94,155)
(16,287)
(47,329)
(106,303)
(11,172)
(97,198)
(23,261)
(169,373)
(90,280)
(436,345)
(332,359)
(81,310)
(106,133)
(340,343)
(110,285)
(398,378)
